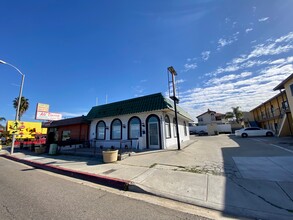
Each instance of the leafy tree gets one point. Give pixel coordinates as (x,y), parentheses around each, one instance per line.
(236,113)
(24,105)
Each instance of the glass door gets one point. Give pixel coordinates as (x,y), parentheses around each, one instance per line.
(153,133)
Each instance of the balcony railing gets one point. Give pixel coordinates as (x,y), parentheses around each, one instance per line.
(276,113)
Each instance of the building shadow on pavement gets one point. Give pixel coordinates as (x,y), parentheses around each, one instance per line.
(259,179)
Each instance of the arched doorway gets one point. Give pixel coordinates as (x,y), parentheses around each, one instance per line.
(153,132)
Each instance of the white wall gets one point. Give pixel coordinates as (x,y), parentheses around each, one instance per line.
(166,143)
(221,128)
(172,142)
(205,119)
(224,128)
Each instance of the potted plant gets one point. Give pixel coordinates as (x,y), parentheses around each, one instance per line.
(110,155)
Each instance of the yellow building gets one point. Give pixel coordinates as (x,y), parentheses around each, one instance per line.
(25,130)
(275,114)
(286,86)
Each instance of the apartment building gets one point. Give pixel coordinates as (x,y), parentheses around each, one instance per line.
(272,114)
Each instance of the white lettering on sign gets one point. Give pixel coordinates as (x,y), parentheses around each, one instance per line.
(50,116)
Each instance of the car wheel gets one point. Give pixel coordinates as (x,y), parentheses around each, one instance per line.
(244,135)
(269,134)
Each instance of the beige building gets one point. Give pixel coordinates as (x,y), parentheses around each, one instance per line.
(275,113)
(272,114)
(286,122)
(210,117)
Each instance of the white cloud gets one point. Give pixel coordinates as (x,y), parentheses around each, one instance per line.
(239,85)
(72,114)
(180,81)
(274,47)
(278,70)
(225,93)
(271,49)
(285,38)
(222,42)
(191,59)
(279,61)
(289,59)
(248,30)
(228,78)
(189,66)
(205,55)
(263,19)
(245,74)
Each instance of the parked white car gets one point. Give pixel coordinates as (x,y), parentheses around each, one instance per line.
(253,131)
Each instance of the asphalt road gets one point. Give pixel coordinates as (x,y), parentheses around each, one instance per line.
(28,193)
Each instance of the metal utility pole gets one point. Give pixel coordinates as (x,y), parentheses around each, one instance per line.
(18,104)
(172,71)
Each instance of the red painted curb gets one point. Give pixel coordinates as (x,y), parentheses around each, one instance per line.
(103,180)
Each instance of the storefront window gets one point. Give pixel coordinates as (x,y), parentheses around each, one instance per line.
(101,130)
(167,127)
(65,135)
(116,129)
(134,128)
(174,127)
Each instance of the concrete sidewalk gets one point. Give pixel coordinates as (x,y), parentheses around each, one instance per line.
(219,187)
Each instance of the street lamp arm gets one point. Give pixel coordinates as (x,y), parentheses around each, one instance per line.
(3,62)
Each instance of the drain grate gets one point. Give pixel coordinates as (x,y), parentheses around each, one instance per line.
(109,171)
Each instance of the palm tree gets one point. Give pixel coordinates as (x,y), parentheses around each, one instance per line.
(229,115)
(236,113)
(24,105)
(2,119)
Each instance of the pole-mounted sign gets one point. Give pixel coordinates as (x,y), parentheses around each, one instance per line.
(173,96)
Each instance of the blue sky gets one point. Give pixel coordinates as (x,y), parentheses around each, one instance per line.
(74,53)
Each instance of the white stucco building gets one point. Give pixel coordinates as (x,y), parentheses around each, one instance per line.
(143,122)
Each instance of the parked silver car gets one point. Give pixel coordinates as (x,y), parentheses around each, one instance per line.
(253,131)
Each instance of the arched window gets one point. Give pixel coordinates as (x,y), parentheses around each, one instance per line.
(134,128)
(167,127)
(116,129)
(185,128)
(101,130)
(174,127)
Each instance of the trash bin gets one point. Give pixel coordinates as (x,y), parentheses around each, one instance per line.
(53,149)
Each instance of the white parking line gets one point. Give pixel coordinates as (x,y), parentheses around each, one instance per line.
(258,140)
(262,140)
(282,148)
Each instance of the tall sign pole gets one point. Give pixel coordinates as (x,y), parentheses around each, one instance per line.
(173,73)
(16,123)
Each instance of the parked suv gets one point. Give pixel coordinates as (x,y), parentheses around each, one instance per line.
(253,131)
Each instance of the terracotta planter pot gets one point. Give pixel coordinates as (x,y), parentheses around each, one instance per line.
(110,156)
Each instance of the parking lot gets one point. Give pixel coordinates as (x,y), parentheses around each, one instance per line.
(254,158)
(252,176)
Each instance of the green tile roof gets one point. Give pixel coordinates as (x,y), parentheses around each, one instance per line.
(136,105)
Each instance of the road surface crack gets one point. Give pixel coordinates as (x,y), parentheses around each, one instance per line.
(261,197)
(289,197)
(8,211)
